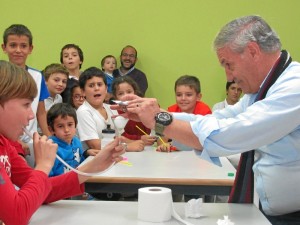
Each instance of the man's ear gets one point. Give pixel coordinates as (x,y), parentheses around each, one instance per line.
(254,50)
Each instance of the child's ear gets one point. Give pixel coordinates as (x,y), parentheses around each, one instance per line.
(31,48)
(3,48)
(199,96)
(51,130)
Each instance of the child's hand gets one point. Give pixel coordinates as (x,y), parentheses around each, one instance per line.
(163,147)
(148,140)
(110,153)
(135,146)
(25,147)
(166,148)
(44,153)
(92,152)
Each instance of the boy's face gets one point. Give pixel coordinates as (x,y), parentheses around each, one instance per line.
(64,128)
(15,115)
(17,48)
(186,98)
(95,91)
(56,83)
(109,65)
(71,59)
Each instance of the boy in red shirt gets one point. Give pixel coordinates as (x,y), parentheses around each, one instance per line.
(188,100)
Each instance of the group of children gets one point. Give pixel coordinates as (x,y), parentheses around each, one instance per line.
(71,109)
(76,102)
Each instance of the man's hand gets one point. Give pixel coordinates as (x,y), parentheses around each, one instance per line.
(140,109)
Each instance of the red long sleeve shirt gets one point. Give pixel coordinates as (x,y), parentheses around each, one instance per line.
(200,109)
(35,187)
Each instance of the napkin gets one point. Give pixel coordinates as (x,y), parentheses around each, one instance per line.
(226,221)
(193,208)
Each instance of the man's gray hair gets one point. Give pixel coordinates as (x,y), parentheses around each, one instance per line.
(239,32)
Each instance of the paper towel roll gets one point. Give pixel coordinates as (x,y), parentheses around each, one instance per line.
(155,204)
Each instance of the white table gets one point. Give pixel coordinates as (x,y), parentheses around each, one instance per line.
(182,171)
(125,213)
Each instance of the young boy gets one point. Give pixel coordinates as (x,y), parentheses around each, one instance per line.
(108,65)
(17,44)
(71,56)
(188,100)
(56,76)
(188,96)
(93,115)
(62,122)
(17,91)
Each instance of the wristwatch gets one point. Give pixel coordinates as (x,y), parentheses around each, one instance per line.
(162,119)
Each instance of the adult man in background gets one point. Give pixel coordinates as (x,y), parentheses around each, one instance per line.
(128,60)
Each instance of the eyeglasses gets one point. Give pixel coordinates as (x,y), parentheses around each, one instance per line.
(128,55)
(78,97)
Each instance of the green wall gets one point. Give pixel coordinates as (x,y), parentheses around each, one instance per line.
(173,37)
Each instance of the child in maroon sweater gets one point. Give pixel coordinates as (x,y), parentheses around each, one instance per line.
(133,130)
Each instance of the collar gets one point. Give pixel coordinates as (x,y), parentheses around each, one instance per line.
(129,71)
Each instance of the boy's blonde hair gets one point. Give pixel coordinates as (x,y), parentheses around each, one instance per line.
(107,57)
(15,82)
(55,68)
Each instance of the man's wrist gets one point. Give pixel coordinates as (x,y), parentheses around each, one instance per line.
(162,120)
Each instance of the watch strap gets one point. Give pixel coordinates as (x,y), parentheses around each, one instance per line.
(159,129)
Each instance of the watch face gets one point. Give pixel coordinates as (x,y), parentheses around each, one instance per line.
(164,116)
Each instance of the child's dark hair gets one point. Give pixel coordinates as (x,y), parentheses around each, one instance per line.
(228,83)
(188,80)
(60,109)
(89,73)
(67,46)
(106,57)
(75,84)
(125,79)
(19,30)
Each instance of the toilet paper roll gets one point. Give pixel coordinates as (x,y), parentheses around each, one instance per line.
(155,204)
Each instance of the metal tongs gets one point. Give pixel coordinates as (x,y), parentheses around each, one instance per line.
(122,104)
